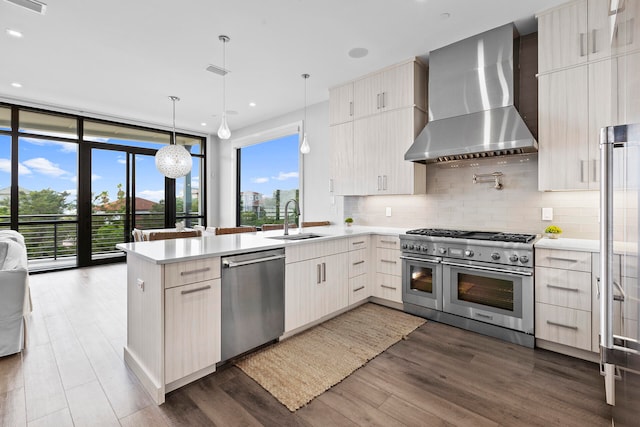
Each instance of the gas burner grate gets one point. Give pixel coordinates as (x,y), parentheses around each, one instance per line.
(438,232)
(513,237)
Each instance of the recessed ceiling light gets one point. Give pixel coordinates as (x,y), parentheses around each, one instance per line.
(252,104)
(203,124)
(14,33)
(358,52)
(445,15)
(16,84)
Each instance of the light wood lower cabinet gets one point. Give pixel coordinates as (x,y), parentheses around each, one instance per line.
(388,284)
(315,288)
(564,325)
(359,268)
(192,328)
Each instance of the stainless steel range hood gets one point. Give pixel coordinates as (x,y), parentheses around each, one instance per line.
(472,93)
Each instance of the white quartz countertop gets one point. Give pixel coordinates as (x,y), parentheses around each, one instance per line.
(175,250)
(585,245)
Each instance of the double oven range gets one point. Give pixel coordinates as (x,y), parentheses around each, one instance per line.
(476,280)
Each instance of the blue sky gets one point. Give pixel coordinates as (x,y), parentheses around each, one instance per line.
(53,164)
(270,165)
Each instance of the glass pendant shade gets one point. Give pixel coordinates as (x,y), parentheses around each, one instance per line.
(223,130)
(305,148)
(173,161)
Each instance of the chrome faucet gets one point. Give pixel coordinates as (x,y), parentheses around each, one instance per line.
(286,216)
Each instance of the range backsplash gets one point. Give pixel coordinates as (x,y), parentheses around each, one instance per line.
(453,201)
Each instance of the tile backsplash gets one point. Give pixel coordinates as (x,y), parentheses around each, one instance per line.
(454,201)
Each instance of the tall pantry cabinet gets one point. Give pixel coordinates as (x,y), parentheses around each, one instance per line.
(585,49)
(373,122)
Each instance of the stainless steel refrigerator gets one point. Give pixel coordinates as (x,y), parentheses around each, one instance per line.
(619,266)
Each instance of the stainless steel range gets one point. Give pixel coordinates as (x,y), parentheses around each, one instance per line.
(477,280)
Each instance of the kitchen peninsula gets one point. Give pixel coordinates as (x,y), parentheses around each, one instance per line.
(174,292)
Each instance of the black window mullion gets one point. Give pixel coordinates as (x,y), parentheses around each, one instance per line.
(13,207)
(85,204)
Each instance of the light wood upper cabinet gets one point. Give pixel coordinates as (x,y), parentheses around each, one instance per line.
(367,95)
(562,37)
(563,154)
(342,160)
(341,104)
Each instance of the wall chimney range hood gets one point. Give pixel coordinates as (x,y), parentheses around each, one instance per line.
(472,96)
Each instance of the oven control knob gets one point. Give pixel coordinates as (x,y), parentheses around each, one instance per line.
(411,247)
(468,253)
(513,258)
(424,248)
(495,256)
(524,259)
(442,250)
(405,246)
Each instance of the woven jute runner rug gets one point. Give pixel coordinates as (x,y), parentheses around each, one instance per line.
(304,366)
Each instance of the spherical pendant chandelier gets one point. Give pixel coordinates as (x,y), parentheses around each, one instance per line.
(173,161)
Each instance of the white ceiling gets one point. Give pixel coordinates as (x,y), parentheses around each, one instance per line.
(123,58)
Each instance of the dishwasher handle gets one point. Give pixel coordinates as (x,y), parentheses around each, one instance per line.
(231,264)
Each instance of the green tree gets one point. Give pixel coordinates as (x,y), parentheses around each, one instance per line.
(43,202)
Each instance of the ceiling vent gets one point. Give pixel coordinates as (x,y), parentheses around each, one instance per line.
(32,5)
(217,70)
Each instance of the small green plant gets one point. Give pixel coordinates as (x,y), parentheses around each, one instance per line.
(553,229)
(348,220)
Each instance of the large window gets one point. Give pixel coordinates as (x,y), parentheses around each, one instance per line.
(268,177)
(76,187)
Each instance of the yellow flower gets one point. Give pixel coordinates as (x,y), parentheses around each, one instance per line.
(553,229)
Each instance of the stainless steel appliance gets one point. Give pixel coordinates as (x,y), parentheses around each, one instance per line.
(481,281)
(473,94)
(252,297)
(620,293)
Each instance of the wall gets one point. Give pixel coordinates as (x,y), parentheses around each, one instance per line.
(453,201)
(316,201)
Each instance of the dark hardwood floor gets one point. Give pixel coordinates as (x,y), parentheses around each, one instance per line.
(73,373)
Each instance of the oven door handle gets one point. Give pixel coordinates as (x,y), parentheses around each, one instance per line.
(480,267)
(434,260)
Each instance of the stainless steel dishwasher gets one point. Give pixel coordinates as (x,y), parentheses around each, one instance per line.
(252,300)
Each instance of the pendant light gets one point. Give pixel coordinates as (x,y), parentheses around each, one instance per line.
(173,161)
(223,130)
(305,148)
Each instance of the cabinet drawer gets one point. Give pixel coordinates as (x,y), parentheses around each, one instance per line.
(563,325)
(358,288)
(388,287)
(388,261)
(391,242)
(569,260)
(358,262)
(566,288)
(182,273)
(360,242)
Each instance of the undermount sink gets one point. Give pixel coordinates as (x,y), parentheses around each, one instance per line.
(302,236)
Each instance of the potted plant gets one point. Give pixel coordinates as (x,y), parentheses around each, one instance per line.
(348,221)
(553,231)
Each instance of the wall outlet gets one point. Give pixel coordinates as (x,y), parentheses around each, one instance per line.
(547,214)
(140,284)
(387,211)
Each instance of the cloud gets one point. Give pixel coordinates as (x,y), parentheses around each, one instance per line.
(261,180)
(45,167)
(65,147)
(282,176)
(154,195)
(122,161)
(5,166)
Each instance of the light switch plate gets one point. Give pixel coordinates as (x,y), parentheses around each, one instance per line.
(388,211)
(140,284)
(547,214)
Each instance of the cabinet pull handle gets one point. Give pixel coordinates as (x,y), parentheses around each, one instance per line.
(384,182)
(361,242)
(379,180)
(596,178)
(319,274)
(593,41)
(377,101)
(330,185)
(562,325)
(200,270)
(358,262)
(190,291)
(358,289)
(564,288)
(388,287)
(484,315)
(389,261)
(324,272)
(392,242)
(562,259)
(384,95)
(351,108)
(582,49)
